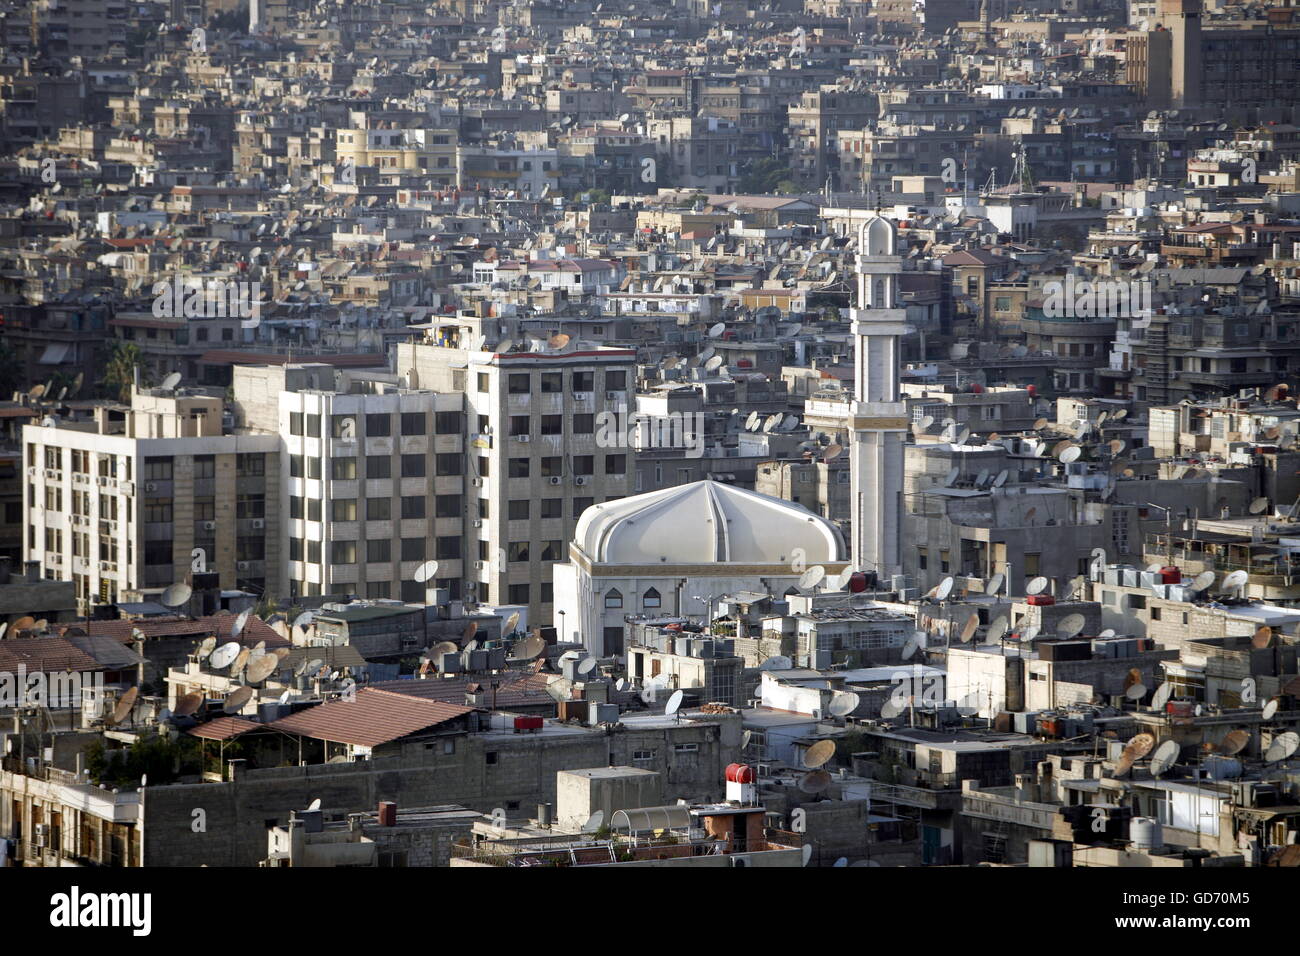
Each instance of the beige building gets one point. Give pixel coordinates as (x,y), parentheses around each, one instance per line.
(124,500)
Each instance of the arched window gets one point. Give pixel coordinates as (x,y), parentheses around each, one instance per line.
(613,598)
(651,598)
(878,300)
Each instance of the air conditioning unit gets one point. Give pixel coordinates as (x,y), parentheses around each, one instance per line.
(148,485)
(259,523)
(51,473)
(41,835)
(523,437)
(31,471)
(475,482)
(580,480)
(479,565)
(209,526)
(555,479)
(613,396)
(241,565)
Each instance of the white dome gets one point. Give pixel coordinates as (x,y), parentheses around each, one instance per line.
(705,522)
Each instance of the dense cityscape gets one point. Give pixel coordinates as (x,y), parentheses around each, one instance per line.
(649,433)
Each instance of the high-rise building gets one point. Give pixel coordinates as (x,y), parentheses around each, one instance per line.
(878,418)
(545,443)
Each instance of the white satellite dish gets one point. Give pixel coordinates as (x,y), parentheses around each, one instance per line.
(425,571)
(1164,758)
(1037,585)
(224,655)
(842,705)
(1270,710)
(674,703)
(995,583)
(944,590)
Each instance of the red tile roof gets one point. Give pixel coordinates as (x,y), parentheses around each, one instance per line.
(371,718)
(515,690)
(218,625)
(45,655)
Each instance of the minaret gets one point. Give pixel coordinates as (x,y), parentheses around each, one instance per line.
(878,420)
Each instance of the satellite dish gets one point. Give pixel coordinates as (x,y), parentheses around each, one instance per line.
(560,689)
(176,595)
(224,656)
(815,782)
(842,705)
(1203,580)
(1071,454)
(1070,626)
(944,589)
(1028,633)
(1258,506)
(558,341)
(594,822)
(314,805)
(995,583)
(833,451)
(303,620)
(891,708)
(1283,746)
(674,703)
(1234,580)
(1165,757)
(471,646)
(238,627)
(262,668)
(187,705)
(1270,710)
(206,647)
(512,623)
(125,705)
(1161,696)
(1136,692)
(812,577)
(425,571)
(530,648)
(969,628)
(1139,746)
(952,476)
(1235,742)
(171,381)
(777,663)
(1263,637)
(914,643)
(998,629)
(820,752)
(1001,479)
(1037,585)
(241,661)
(234,703)
(586,665)
(470,630)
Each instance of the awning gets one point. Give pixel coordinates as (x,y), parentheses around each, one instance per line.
(55,354)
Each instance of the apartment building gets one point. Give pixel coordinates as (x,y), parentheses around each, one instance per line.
(135,499)
(536,457)
(427,154)
(374,478)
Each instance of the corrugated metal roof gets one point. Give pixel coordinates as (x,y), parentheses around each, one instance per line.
(224,728)
(516,690)
(371,718)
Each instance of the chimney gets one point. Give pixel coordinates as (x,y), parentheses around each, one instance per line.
(33,569)
(387,813)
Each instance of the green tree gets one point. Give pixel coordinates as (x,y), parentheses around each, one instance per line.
(119,370)
(766,176)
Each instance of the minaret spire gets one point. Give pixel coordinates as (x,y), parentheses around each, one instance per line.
(878,419)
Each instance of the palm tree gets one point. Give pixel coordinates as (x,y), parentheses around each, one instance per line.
(119,370)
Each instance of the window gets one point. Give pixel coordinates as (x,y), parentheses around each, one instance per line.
(518,510)
(447,546)
(552,507)
(447,506)
(554,466)
(519,383)
(379,466)
(313,552)
(614,381)
(519,468)
(518,551)
(379,426)
(483,382)
(379,509)
(340,425)
(616,464)
(584,464)
(412,506)
(518,594)
(295,506)
(413,423)
(157,510)
(584,381)
(343,509)
(651,599)
(205,466)
(552,424)
(295,423)
(343,552)
(412,549)
(313,468)
(313,426)
(412,466)
(379,550)
(313,509)
(519,425)
(613,598)
(158,469)
(295,466)
(343,469)
(552,550)
(447,423)
(250,466)
(584,424)
(452,463)
(552,382)
(250,506)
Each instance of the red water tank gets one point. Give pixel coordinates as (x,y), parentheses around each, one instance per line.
(857,582)
(1170,575)
(1040,600)
(744,363)
(1032,390)
(1180,708)
(740,773)
(526,724)
(976,387)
